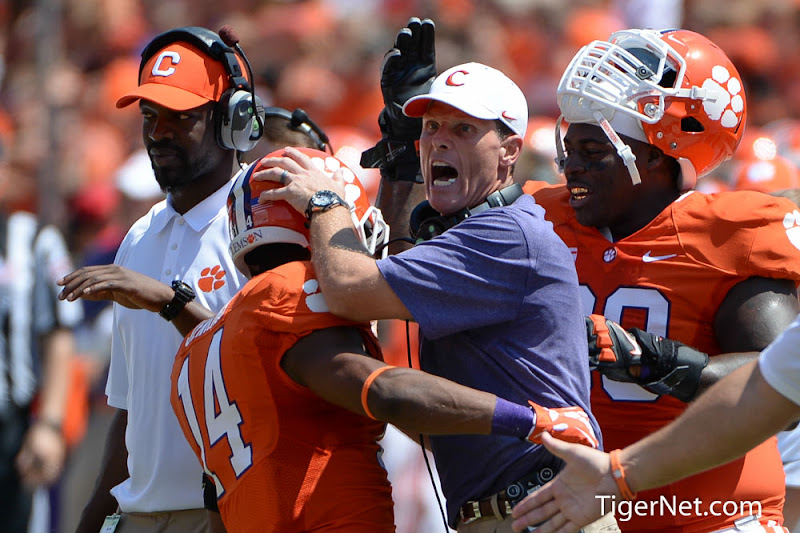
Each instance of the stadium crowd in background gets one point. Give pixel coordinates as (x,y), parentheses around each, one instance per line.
(61,76)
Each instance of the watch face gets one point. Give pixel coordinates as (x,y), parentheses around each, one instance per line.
(323,198)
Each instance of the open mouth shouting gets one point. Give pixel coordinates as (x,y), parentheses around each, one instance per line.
(443,174)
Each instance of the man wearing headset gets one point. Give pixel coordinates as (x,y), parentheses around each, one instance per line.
(493,295)
(198,111)
(287,128)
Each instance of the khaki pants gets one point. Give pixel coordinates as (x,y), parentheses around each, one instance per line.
(607,524)
(188,521)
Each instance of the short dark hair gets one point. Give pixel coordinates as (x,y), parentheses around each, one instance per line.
(503,130)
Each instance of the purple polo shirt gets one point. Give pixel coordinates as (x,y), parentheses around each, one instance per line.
(497,301)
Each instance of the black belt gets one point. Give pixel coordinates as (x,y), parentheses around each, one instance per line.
(499,505)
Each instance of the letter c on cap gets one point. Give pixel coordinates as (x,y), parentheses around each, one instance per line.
(174,57)
(451,78)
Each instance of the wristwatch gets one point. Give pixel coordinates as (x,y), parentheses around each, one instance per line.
(183,295)
(322,201)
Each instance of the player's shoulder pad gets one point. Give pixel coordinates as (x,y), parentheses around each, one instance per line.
(745,231)
(289,299)
(743,209)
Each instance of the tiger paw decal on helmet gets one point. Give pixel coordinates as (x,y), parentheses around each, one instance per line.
(674,89)
(729,105)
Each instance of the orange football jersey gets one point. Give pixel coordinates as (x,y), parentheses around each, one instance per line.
(282,459)
(669,278)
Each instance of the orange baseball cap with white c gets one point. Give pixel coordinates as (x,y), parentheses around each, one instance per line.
(179,77)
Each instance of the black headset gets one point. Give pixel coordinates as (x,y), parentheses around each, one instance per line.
(426,223)
(238,114)
(300,121)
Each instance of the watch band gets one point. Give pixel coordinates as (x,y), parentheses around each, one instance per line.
(183,295)
(322,201)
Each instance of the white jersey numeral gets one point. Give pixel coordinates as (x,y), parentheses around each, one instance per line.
(226,422)
(657,306)
(222,418)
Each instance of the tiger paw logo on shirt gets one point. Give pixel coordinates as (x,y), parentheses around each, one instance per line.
(211,279)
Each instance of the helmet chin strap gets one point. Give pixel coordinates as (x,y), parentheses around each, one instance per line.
(623,150)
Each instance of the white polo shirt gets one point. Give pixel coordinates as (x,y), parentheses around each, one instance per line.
(780,362)
(164,472)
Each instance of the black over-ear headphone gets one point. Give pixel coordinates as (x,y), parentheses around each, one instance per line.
(238,114)
(300,121)
(426,223)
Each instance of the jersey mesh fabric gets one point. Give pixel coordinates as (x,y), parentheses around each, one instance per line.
(310,464)
(495,298)
(670,278)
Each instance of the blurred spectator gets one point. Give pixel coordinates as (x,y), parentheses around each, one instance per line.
(60,78)
(36,354)
(712,184)
(537,161)
(767,175)
(109,214)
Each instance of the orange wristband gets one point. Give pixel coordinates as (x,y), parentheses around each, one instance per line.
(367,384)
(618,473)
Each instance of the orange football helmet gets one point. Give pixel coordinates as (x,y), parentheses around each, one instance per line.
(674,89)
(252,224)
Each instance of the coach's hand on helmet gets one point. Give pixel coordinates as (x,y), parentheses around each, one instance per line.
(300,178)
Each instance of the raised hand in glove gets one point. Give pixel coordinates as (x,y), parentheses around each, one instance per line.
(408,70)
(570,424)
(660,365)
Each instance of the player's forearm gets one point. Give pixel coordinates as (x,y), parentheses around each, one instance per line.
(734,416)
(721,365)
(423,403)
(190,316)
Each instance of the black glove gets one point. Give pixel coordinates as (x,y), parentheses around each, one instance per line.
(660,365)
(408,70)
